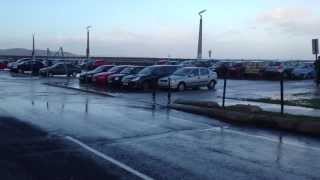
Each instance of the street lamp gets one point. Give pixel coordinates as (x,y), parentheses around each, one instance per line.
(88,42)
(200,35)
(33,47)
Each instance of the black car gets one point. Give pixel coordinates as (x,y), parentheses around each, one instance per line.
(60,69)
(149,76)
(32,65)
(86,77)
(14,64)
(116,79)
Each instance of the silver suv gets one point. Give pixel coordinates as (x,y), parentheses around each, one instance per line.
(190,77)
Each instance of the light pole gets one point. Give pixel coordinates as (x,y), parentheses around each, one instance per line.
(200,35)
(33,47)
(88,42)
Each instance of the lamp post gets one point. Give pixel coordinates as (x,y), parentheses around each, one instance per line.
(200,36)
(33,47)
(88,42)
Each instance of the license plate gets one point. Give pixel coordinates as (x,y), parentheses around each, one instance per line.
(126,84)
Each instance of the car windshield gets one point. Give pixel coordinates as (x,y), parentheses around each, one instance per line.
(183,72)
(56,65)
(22,60)
(127,70)
(115,69)
(99,69)
(147,71)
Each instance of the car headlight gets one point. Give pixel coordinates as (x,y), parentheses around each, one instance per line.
(136,79)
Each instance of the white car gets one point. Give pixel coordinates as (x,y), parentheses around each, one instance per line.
(190,77)
(304,71)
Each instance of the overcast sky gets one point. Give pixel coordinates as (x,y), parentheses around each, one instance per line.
(156,28)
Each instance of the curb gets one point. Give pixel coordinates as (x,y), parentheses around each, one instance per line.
(81,90)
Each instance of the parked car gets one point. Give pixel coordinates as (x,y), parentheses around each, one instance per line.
(86,77)
(222,68)
(149,76)
(167,62)
(188,63)
(236,70)
(3,64)
(32,65)
(304,71)
(289,66)
(254,69)
(190,77)
(60,69)
(13,64)
(116,79)
(19,61)
(92,64)
(102,78)
(274,70)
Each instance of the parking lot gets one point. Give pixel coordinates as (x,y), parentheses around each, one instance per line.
(162,143)
(237,93)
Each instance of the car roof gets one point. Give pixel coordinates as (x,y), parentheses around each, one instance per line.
(165,66)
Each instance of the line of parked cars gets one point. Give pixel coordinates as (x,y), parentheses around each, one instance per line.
(148,77)
(182,75)
(266,70)
(44,67)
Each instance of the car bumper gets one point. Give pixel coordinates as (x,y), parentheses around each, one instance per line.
(115,82)
(165,84)
(85,79)
(130,84)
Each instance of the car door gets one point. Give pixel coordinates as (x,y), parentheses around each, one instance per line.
(60,69)
(204,76)
(193,79)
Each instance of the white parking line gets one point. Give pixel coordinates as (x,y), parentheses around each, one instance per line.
(110,159)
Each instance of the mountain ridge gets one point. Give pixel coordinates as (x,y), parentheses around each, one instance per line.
(28,52)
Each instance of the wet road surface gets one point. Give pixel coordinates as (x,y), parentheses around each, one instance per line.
(160,143)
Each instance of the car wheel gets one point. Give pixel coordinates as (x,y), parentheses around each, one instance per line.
(145,85)
(74,74)
(211,85)
(181,87)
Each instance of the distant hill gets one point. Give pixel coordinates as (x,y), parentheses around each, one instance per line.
(28,52)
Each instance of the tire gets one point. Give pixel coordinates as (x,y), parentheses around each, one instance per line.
(211,85)
(181,87)
(74,74)
(145,85)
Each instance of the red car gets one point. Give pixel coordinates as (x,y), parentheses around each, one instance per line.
(3,64)
(236,70)
(102,78)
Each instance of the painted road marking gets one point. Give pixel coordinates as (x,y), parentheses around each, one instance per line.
(110,159)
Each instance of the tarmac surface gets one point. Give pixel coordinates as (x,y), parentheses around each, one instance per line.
(133,138)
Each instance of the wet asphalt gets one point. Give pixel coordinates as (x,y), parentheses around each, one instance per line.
(161,143)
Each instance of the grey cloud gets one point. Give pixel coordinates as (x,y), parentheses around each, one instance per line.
(296,21)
